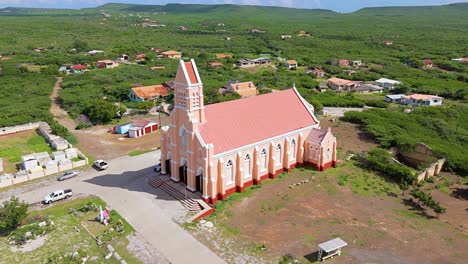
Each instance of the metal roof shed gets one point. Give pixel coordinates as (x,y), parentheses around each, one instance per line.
(331,248)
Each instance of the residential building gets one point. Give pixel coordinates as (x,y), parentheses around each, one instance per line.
(338,84)
(78,68)
(92,52)
(387,83)
(343,63)
(144,93)
(356,63)
(245,63)
(427,64)
(140,57)
(222,56)
(422,100)
(244,89)
(172,54)
(106,64)
(365,88)
(218,149)
(215,64)
(394,98)
(290,64)
(319,73)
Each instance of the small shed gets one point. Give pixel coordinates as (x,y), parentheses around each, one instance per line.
(330,248)
(122,129)
(141,128)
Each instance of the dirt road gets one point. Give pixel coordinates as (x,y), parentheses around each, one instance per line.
(97,141)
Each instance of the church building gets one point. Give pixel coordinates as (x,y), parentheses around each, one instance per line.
(223,148)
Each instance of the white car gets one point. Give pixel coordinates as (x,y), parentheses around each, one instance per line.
(100,164)
(67,175)
(58,195)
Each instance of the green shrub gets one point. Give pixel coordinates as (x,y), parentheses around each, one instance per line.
(83,125)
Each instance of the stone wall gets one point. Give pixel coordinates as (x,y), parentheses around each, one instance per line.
(19,128)
(40,164)
(432,170)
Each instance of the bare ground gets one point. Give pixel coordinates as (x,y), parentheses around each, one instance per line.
(97,140)
(381,229)
(348,135)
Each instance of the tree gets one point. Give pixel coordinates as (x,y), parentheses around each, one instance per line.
(80,45)
(12,212)
(101,111)
(145,105)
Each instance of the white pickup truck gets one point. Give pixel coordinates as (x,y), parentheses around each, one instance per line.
(58,195)
(100,164)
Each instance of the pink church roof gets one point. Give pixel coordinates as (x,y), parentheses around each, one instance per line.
(317,135)
(237,123)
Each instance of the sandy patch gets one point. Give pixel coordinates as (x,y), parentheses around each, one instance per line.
(30,245)
(144,251)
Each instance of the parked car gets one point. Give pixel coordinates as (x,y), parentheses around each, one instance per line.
(67,175)
(100,164)
(157,167)
(58,195)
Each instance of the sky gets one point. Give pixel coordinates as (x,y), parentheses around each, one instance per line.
(336,5)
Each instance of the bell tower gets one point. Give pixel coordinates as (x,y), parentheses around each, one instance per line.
(188,92)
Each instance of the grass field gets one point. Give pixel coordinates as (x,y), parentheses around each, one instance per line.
(12,147)
(64,239)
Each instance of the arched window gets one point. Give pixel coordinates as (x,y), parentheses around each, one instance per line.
(278,154)
(229,172)
(263,160)
(247,166)
(184,139)
(328,153)
(293,149)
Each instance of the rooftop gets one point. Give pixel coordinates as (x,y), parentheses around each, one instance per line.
(146,92)
(333,244)
(238,123)
(423,96)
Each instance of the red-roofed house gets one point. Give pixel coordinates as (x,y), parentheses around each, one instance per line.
(291,64)
(244,89)
(343,63)
(319,73)
(422,100)
(222,148)
(143,93)
(427,63)
(215,64)
(172,54)
(338,84)
(106,64)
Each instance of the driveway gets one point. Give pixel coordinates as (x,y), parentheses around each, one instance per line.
(123,186)
(339,111)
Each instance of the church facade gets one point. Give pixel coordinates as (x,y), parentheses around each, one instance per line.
(223,148)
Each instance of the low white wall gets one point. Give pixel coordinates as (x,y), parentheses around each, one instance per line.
(20,179)
(36,174)
(19,128)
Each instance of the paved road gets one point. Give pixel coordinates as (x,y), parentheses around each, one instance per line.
(339,111)
(123,186)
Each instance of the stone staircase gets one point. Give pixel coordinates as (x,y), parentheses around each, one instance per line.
(165,183)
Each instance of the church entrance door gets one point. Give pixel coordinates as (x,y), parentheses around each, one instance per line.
(183,174)
(168,166)
(199,183)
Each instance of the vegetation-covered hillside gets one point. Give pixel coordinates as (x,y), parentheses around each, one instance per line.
(436,33)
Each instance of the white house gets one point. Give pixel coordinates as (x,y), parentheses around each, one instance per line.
(291,64)
(394,98)
(387,83)
(422,100)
